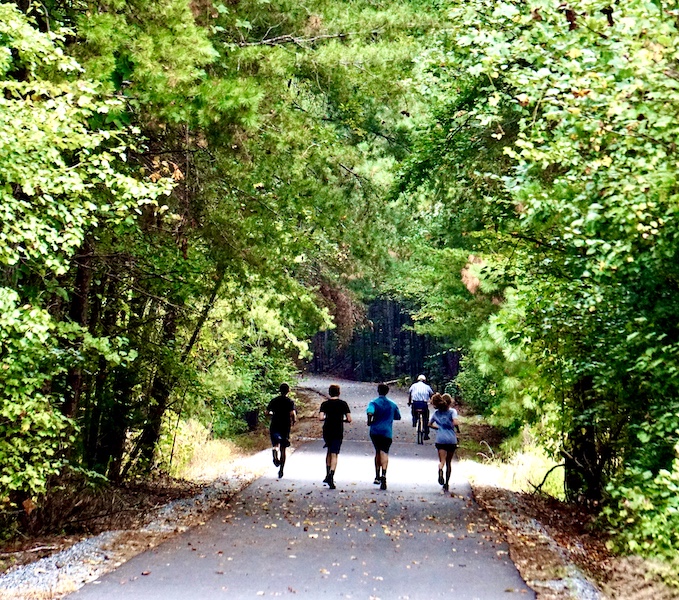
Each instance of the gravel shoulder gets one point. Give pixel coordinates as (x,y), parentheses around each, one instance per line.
(63,572)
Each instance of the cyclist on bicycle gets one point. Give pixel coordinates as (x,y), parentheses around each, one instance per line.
(418,397)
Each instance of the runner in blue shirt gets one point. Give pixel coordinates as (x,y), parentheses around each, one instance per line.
(382,413)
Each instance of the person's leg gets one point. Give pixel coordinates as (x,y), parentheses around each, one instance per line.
(449,460)
(280,471)
(426,422)
(327,466)
(413,412)
(378,466)
(384,462)
(275,448)
(333,467)
(442,460)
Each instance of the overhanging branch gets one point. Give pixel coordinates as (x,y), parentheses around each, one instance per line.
(299,41)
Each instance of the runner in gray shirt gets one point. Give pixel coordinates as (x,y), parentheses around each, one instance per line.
(444,420)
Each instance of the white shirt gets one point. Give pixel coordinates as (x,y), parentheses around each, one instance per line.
(420,392)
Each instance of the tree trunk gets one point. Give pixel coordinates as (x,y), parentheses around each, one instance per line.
(583,475)
(115,423)
(161,388)
(204,315)
(78,314)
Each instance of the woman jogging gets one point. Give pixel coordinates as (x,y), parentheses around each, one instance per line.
(444,421)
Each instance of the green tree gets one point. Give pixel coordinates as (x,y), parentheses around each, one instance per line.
(60,178)
(574,220)
(273,129)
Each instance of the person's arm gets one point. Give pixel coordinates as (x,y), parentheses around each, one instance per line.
(433,424)
(371,413)
(347,417)
(410,397)
(293,417)
(397,415)
(321,416)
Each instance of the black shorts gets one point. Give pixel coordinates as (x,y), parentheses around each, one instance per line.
(281,438)
(333,445)
(381,442)
(446,447)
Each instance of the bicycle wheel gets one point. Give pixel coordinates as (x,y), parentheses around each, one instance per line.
(420,427)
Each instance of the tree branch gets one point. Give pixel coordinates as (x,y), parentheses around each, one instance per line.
(351,172)
(538,488)
(299,41)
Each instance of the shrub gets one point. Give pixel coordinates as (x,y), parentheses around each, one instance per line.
(476,389)
(33,433)
(643,504)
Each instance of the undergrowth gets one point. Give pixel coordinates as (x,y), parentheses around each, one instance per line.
(518,464)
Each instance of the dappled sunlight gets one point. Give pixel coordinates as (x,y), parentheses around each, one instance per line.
(210,460)
(356,467)
(521,473)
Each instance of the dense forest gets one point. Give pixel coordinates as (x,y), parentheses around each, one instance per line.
(191,191)
(386,347)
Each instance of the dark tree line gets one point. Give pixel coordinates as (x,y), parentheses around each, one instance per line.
(386,347)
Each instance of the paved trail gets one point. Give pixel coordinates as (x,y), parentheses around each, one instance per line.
(295,538)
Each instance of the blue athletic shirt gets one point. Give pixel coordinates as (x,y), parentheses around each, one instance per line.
(385,413)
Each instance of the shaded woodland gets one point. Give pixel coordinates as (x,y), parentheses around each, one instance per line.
(386,348)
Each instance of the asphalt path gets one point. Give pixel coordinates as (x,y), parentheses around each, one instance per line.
(293,537)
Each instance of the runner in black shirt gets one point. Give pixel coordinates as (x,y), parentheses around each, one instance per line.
(283,416)
(334,412)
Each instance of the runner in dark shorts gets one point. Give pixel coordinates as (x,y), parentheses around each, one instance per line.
(382,413)
(283,416)
(334,413)
(444,420)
